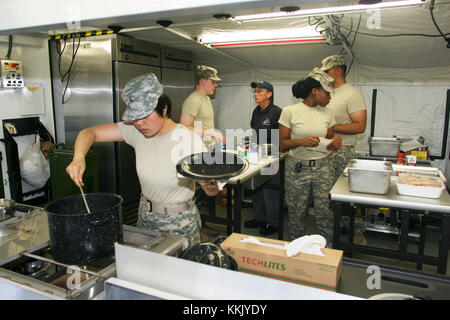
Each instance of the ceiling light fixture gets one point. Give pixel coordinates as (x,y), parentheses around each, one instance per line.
(260,37)
(328,10)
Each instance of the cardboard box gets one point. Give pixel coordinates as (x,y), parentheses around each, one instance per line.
(311,270)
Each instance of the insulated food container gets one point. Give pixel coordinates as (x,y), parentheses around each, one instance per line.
(384,147)
(369,176)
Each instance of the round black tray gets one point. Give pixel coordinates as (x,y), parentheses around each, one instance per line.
(212,166)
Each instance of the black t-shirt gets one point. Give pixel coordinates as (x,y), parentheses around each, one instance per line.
(264,121)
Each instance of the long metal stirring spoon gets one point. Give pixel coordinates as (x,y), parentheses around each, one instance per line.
(84,199)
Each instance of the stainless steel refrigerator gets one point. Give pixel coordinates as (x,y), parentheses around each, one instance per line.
(178,78)
(97,69)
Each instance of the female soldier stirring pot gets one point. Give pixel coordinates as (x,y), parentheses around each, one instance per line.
(166,204)
(307,171)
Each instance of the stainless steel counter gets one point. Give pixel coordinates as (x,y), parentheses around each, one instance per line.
(341,192)
(255,176)
(407,205)
(265,167)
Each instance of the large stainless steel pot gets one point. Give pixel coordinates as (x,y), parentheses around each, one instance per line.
(76,236)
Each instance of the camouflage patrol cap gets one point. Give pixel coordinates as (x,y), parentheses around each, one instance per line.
(325,80)
(332,62)
(141,96)
(207,73)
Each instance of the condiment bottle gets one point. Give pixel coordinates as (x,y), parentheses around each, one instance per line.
(411,160)
(400,158)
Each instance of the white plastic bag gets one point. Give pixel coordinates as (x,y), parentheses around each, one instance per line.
(34,168)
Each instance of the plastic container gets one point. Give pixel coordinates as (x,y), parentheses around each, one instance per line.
(422,191)
(411,160)
(253,154)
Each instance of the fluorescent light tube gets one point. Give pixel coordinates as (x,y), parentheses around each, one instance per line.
(266,42)
(260,37)
(329,10)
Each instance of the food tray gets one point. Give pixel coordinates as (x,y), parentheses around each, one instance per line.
(423,191)
(369,176)
(212,166)
(384,147)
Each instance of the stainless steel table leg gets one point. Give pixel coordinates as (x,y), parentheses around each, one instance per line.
(351,227)
(229,208)
(237,207)
(404,231)
(337,212)
(444,245)
(281,201)
(421,240)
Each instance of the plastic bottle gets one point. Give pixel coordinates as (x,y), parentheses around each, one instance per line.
(411,160)
(400,159)
(253,154)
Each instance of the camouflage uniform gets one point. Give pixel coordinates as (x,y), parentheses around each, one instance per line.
(338,161)
(315,182)
(187,224)
(310,182)
(341,157)
(141,96)
(206,72)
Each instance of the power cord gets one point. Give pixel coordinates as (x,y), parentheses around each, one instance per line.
(68,73)
(333,33)
(10,44)
(436,25)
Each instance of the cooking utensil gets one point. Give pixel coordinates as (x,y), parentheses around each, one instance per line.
(212,166)
(84,199)
(77,237)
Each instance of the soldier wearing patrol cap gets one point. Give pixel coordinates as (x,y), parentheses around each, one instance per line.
(349,109)
(198,108)
(308,173)
(197,114)
(166,204)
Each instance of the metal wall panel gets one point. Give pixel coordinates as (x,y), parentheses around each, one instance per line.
(88,99)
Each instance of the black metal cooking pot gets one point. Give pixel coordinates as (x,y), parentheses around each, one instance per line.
(76,236)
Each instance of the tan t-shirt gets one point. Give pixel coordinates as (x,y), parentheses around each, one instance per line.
(345,100)
(199,106)
(305,121)
(156,160)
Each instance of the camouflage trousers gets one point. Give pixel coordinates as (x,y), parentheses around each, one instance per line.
(315,182)
(201,200)
(186,224)
(339,160)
